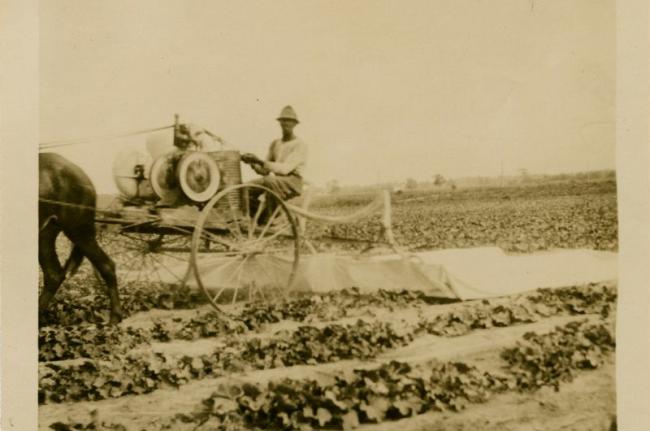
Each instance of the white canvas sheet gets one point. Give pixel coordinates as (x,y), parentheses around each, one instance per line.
(488,272)
(458,273)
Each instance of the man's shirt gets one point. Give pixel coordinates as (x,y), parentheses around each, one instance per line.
(288,157)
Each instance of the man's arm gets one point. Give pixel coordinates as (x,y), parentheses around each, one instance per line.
(269,155)
(255,163)
(297,157)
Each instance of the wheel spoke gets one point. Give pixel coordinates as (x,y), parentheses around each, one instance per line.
(237,269)
(180,258)
(161,264)
(134,237)
(240,266)
(277,250)
(131,256)
(129,267)
(264,268)
(274,283)
(241,271)
(222,254)
(154,269)
(137,278)
(216,239)
(146,268)
(170,239)
(186,232)
(235,218)
(175,248)
(131,270)
(219,294)
(276,234)
(270,221)
(258,212)
(274,263)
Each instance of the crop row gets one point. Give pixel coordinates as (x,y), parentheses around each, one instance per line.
(87,341)
(142,372)
(122,374)
(82,300)
(576,300)
(101,342)
(90,341)
(395,390)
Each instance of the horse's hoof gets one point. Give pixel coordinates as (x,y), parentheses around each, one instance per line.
(115,318)
(44,318)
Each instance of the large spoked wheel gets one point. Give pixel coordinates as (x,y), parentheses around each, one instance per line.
(254,252)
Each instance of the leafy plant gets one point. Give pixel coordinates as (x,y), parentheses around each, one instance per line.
(548,359)
(574,300)
(396,389)
(89,341)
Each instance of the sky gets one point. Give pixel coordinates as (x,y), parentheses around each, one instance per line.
(385,90)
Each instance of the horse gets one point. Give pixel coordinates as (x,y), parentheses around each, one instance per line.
(67,201)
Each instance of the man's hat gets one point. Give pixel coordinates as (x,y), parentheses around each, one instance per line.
(288,114)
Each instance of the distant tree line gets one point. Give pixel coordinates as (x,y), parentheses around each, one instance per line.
(439,182)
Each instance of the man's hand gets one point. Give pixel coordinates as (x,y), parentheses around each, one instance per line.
(251,159)
(255,162)
(260,169)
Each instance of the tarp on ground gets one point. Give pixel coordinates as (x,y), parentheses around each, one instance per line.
(457,273)
(489,272)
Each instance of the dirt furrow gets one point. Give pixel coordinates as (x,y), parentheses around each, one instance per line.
(140,412)
(586,404)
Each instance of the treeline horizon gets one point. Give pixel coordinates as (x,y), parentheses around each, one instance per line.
(523,178)
(440,182)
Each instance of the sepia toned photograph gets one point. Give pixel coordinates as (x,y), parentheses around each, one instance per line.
(304,215)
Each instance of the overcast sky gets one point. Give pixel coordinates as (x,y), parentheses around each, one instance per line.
(385,90)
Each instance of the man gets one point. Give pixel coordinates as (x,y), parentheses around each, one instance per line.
(283,169)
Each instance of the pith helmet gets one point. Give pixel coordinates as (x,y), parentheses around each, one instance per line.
(288,114)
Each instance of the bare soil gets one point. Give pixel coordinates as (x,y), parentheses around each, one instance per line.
(588,403)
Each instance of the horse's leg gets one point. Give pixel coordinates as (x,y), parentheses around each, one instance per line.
(53,274)
(74,261)
(106,267)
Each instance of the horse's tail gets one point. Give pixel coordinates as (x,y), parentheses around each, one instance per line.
(74,261)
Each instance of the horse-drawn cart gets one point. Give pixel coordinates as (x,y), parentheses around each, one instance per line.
(207,232)
(211,229)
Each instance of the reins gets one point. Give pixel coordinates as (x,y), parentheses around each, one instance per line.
(97,139)
(68,204)
(90,208)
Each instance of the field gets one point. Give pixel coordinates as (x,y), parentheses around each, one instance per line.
(543,360)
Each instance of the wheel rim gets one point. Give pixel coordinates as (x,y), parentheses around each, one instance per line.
(199,176)
(247,249)
(158,178)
